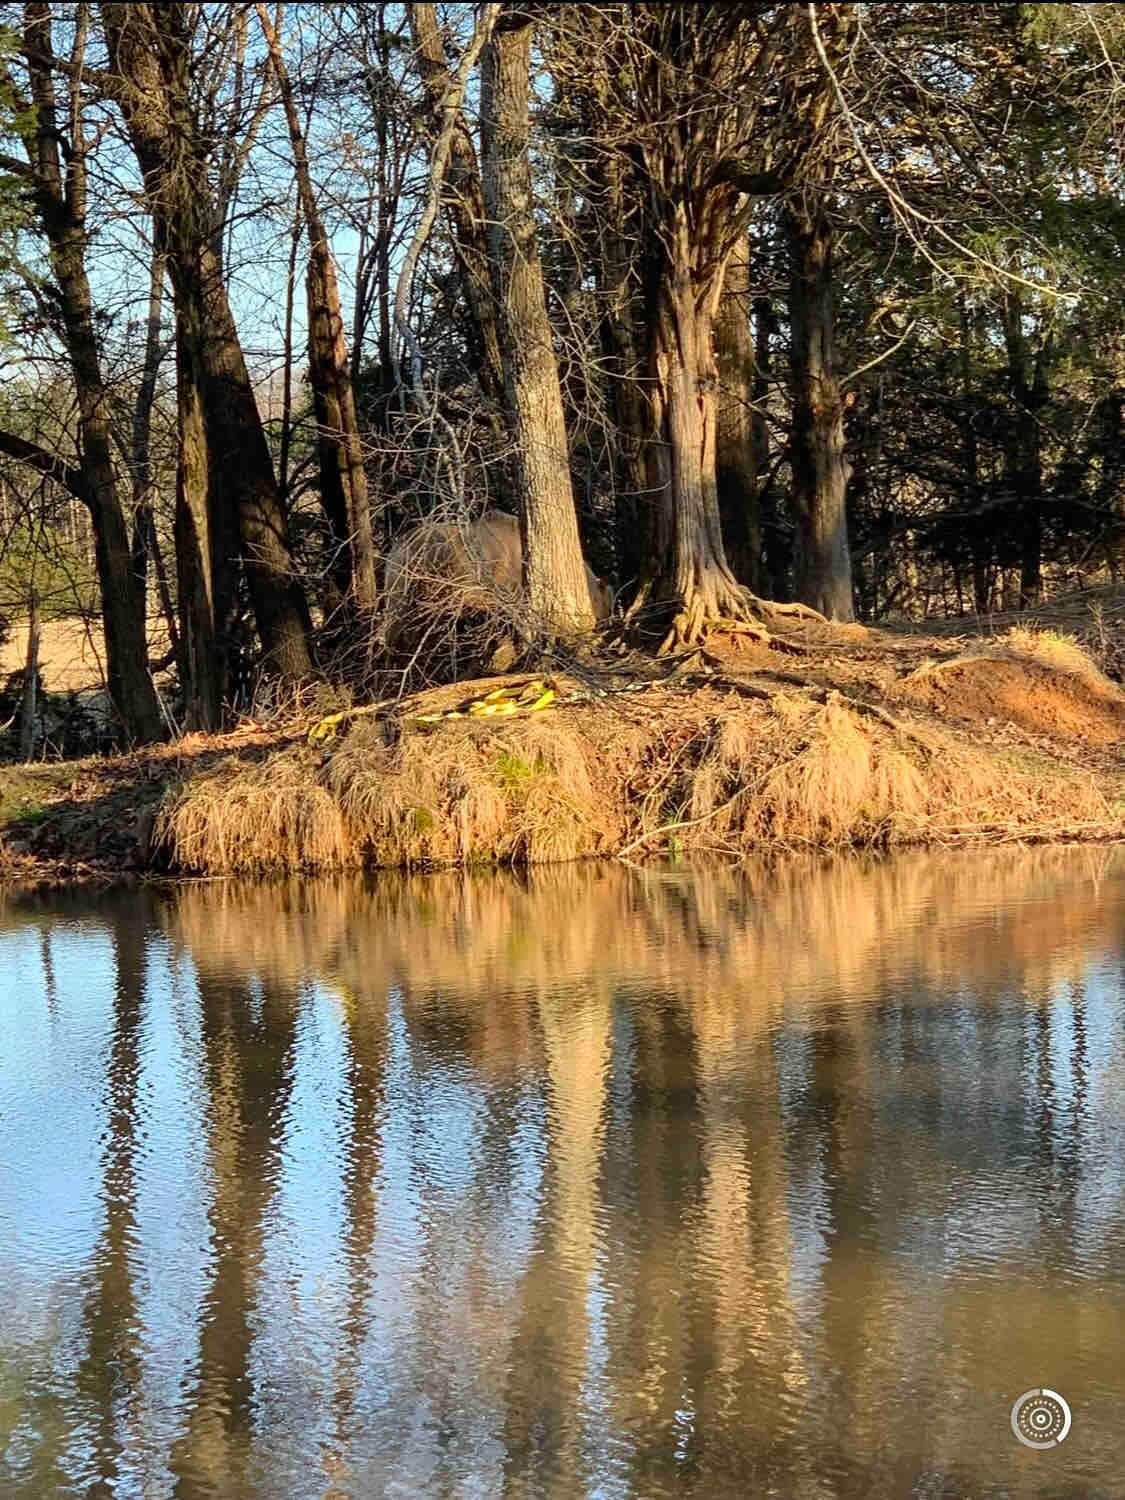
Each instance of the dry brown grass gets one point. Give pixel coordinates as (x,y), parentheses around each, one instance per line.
(706,770)
(805,776)
(1065,653)
(529,792)
(255,819)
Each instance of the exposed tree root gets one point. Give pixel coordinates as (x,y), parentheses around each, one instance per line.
(734,612)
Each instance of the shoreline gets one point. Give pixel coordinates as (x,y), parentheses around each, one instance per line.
(836,738)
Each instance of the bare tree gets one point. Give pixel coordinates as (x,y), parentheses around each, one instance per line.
(463,198)
(57,147)
(343,480)
(707,109)
(150,78)
(557,587)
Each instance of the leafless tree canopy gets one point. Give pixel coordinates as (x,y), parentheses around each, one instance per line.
(730,309)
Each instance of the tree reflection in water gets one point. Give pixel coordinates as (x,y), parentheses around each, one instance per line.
(594,1182)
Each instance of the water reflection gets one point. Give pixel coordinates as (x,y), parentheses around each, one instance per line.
(596,1183)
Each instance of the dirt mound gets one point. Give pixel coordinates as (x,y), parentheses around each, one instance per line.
(1031,694)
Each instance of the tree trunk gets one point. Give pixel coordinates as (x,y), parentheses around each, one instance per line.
(343,479)
(149,78)
(61,202)
(735,457)
(30,679)
(822,564)
(464,204)
(1027,379)
(776,548)
(204,560)
(557,588)
(970,457)
(688,570)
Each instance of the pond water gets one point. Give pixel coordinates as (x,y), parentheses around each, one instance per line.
(595,1183)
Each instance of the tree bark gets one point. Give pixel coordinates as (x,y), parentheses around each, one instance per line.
(736,461)
(343,479)
(61,203)
(555,574)
(206,551)
(688,568)
(150,80)
(822,563)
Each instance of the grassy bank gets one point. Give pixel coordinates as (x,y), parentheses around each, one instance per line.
(835,737)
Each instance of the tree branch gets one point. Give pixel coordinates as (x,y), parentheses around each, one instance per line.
(45,463)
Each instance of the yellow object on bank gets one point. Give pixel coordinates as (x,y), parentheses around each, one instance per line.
(326,730)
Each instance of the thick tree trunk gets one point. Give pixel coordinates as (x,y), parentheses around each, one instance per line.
(689,572)
(822,564)
(149,77)
(62,207)
(557,587)
(735,457)
(343,479)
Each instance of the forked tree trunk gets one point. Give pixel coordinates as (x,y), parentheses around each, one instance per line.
(343,479)
(822,562)
(557,588)
(736,459)
(150,80)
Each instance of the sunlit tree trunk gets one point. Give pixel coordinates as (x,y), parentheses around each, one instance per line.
(206,554)
(689,567)
(557,587)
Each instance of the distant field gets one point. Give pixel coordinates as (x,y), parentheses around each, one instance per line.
(71,653)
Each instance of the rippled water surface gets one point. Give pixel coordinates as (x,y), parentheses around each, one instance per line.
(602,1183)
